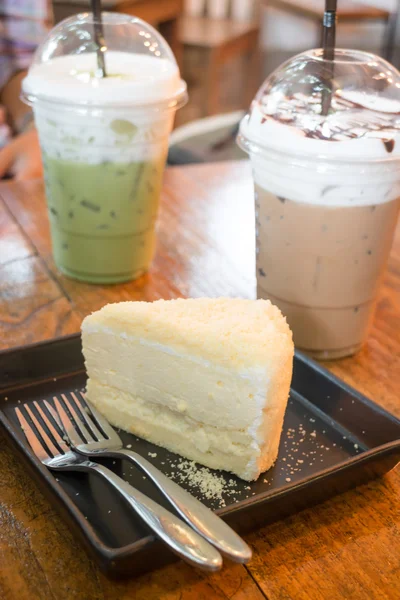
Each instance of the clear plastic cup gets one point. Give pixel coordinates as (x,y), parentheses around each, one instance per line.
(327,192)
(104,142)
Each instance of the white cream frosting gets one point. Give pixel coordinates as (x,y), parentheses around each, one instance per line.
(122,130)
(349,172)
(287,138)
(133,79)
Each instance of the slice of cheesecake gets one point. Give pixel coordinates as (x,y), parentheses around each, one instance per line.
(206,378)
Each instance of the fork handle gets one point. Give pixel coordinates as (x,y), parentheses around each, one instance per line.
(180,538)
(201,518)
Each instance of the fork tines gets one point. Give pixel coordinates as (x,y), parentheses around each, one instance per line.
(80,425)
(45,444)
(96,421)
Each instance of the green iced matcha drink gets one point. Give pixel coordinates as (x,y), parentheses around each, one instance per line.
(102,217)
(104,142)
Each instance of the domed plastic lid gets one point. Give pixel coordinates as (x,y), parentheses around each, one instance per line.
(309,104)
(140,66)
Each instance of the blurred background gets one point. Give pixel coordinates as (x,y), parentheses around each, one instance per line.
(225,48)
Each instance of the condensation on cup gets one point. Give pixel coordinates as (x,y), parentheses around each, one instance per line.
(327,193)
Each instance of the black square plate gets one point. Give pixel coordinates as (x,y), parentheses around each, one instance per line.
(333,439)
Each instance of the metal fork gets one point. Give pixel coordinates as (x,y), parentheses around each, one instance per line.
(97,437)
(57,455)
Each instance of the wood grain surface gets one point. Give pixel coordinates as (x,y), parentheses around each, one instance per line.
(348,547)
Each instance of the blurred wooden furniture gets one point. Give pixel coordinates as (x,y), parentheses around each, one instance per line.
(163,14)
(345,549)
(23,25)
(348,11)
(222,41)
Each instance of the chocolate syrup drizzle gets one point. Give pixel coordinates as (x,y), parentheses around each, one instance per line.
(352,127)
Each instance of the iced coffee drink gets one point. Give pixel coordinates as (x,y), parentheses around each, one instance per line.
(327,195)
(104,143)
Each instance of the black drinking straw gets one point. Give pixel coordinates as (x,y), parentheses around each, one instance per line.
(328,46)
(99,38)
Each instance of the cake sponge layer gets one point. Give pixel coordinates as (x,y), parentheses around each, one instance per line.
(208,379)
(215,447)
(206,392)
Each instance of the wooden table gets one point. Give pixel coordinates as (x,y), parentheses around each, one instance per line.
(346,548)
